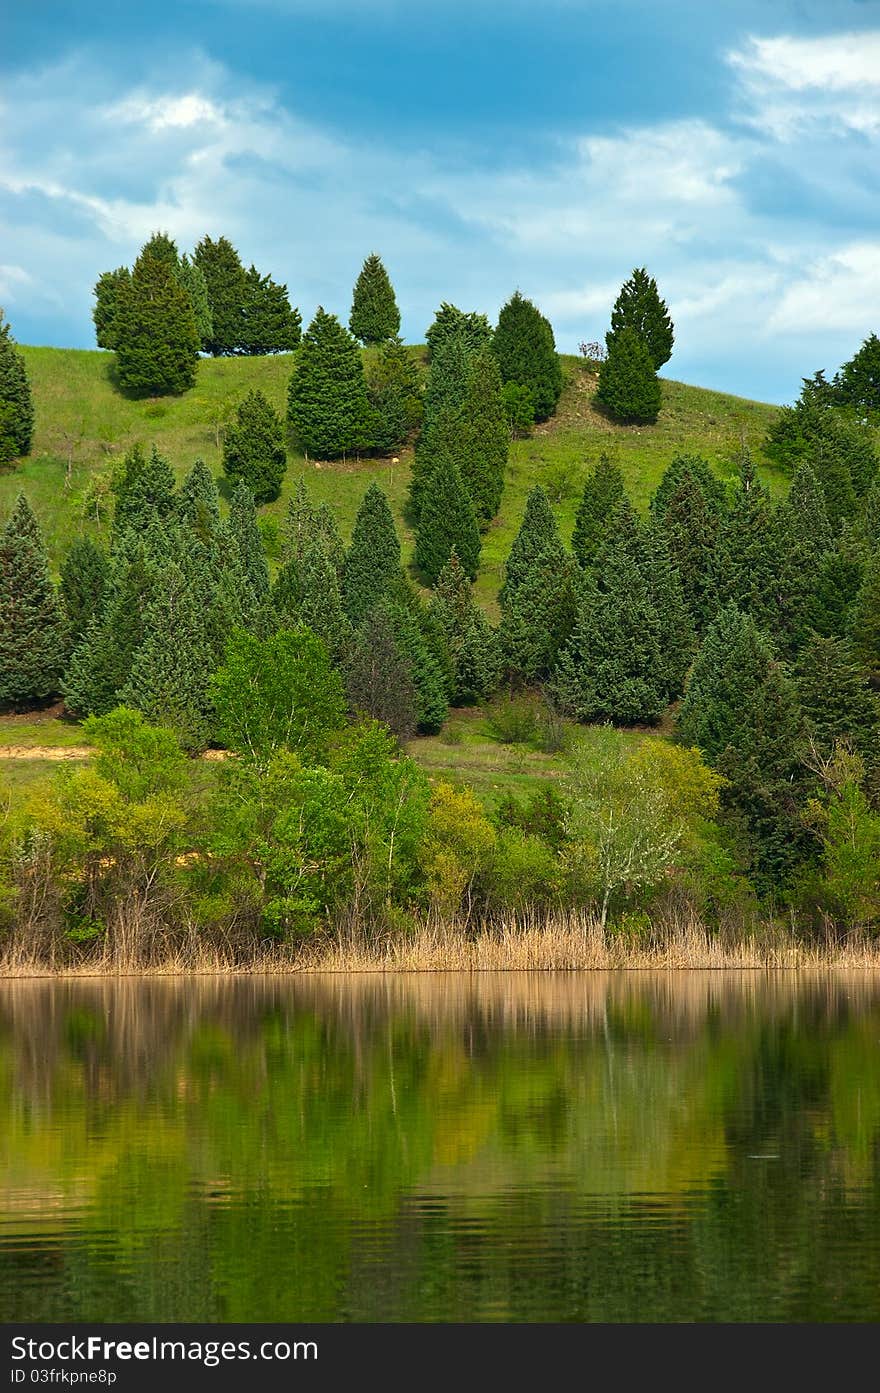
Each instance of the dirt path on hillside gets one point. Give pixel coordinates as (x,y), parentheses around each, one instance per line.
(62,752)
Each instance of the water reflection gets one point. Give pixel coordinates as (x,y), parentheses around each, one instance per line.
(620,1146)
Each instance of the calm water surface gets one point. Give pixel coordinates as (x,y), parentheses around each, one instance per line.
(596,1147)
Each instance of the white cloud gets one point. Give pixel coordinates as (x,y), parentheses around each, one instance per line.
(836,292)
(794,84)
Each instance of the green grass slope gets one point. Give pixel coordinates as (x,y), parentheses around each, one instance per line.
(84,425)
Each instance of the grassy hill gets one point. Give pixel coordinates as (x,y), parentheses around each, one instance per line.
(84,425)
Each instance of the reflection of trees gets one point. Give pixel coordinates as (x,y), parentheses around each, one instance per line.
(575,1146)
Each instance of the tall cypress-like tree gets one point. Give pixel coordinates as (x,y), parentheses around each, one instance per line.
(372,563)
(836,585)
(270,325)
(538,615)
(428,679)
(864,624)
(664,589)
(144,492)
(445,393)
(253,450)
(858,382)
(640,308)
(603,489)
(473,328)
(843,461)
(538,536)
(469,435)
(246,535)
(16,402)
(472,643)
(84,575)
(320,605)
(525,348)
(395,395)
(374,313)
(327,397)
(802,539)
(446,523)
(192,278)
(688,509)
(100,664)
(168,680)
(378,676)
(629,388)
(156,339)
(226,279)
(836,698)
(198,503)
(748,554)
(106,305)
(32,626)
(732,663)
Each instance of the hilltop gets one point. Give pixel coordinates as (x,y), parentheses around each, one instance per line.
(84,425)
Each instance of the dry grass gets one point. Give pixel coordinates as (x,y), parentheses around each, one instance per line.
(559,944)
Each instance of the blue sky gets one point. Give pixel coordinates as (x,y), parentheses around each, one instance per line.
(478,146)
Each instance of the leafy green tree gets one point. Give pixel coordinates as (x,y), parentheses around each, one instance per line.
(848,829)
(446,523)
(688,509)
(192,278)
(538,535)
(270,325)
(858,382)
(373,560)
(519,408)
(327,397)
(474,329)
(639,307)
(101,663)
(16,403)
(628,386)
(374,313)
(748,556)
(168,680)
(603,489)
(106,294)
(472,643)
(395,395)
(864,624)
(836,699)
(253,450)
(164,248)
(144,492)
(227,283)
(84,575)
(32,625)
(156,337)
(731,664)
(378,676)
(278,693)
(525,348)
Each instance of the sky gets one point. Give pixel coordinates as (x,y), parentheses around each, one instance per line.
(479,146)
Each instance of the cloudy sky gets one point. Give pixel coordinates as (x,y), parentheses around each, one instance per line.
(477,145)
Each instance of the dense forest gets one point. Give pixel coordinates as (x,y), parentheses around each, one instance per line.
(709,665)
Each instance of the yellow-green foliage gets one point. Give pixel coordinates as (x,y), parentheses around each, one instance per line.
(459,845)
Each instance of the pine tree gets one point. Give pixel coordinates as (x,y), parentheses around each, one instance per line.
(225,277)
(426,672)
(156,339)
(688,509)
(538,615)
(639,307)
(372,563)
(395,395)
(164,248)
(829,454)
(748,556)
(442,429)
(144,492)
(858,382)
(16,404)
(270,324)
(474,329)
(796,426)
(730,666)
(32,627)
(320,605)
(327,398)
(254,450)
(100,664)
(446,523)
(374,313)
(538,536)
(471,641)
(525,348)
(84,575)
(629,388)
(835,588)
(483,437)
(198,503)
(378,676)
(803,537)
(192,279)
(836,699)
(168,680)
(677,635)
(246,535)
(864,623)
(603,489)
(867,526)
(613,665)
(328,535)
(106,294)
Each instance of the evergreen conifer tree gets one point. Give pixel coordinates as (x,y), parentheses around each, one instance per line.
(748,554)
(803,537)
(374,313)
(32,626)
(320,606)
(372,563)
(270,324)
(378,676)
(688,509)
(327,533)
(192,279)
(796,426)
(830,455)
(629,388)
(864,622)
(254,450)
(639,307)
(538,615)
(198,503)
(84,575)
(227,284)
(100,664)
(106,294)
(327,398)
(171,670)
(538,536)
(471,641)
(731,664)
(474,329)
(156,339)
(16,403)
(836,699)
(445,393)
(677,639)
(246,535)
(395,395)
(525,348)
(446,522)
(144,492)
(836,585)
(858,382)
(603,489)
(426,671)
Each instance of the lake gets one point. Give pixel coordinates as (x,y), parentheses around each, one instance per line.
(505,1147)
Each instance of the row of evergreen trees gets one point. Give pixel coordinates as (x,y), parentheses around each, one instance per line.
(16,402)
